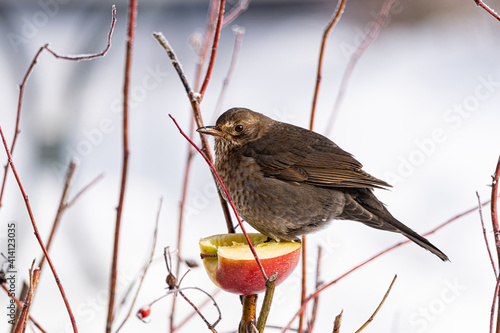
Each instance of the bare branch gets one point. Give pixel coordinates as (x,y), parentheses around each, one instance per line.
(492,12)
(378,307)
(132,19)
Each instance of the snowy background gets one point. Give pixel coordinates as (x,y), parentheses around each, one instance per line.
(421,112)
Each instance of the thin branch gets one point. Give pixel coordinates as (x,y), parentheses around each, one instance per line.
(378,307)
(28,73)
(318,284)
(210,326)
(89,56)
(146,266)
(266,304)
(303,287)
(496,229)
(236,11)
(201,306)
(10,162)
(62,204)
(493,305)
(20,305)
(310,297)
(239,32)
(83,190)
(194,100)
(23,317)
(369,38)
(492,12)
(132,18)
(335,18)
(181,219)
(337,322)
(485,236)
(214,49)
(228,197)
(247,322)
(207,39)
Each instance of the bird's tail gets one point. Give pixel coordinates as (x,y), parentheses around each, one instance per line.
(362,205)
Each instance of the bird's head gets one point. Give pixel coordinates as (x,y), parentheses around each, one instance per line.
(238,126)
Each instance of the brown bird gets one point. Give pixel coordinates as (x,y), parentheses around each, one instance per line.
(287,181)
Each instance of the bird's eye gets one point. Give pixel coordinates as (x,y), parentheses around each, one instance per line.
(238,128)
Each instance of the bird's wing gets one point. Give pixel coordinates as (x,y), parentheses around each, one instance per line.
(309,157)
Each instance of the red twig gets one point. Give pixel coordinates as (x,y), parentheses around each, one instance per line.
(214,48)
(485,236)
(369,38)
(335,18)
(28,73)
(238,39)
(313,295)
(493,305)
(228,197)
(496,230)
(132,18)
(304,279)
(487,8)
(88,56)
(23,317)
(37,234)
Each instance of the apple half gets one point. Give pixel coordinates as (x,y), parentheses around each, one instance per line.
(231,265)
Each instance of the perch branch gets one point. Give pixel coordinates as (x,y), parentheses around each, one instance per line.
(214,49)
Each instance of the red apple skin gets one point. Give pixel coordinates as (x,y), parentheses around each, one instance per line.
(243,277)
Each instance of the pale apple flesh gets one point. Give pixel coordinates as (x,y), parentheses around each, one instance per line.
(233,268)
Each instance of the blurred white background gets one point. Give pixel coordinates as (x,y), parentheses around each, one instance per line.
(421,112)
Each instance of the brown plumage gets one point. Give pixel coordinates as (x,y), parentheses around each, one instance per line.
(287,181)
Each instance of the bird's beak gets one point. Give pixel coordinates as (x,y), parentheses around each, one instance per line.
(210,130)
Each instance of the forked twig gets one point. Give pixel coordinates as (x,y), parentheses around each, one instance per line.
(378,307)
(28,73)
(173,285)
